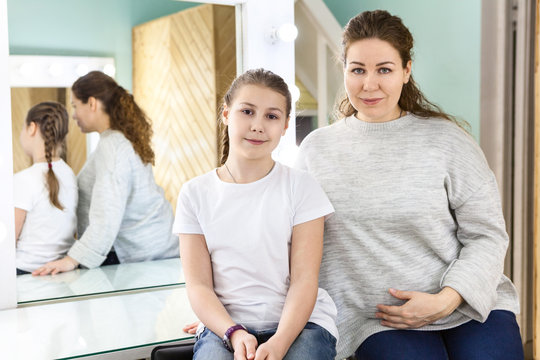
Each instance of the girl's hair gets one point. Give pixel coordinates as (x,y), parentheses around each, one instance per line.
(125,115)
(380,24)
(260,77)
(52,120)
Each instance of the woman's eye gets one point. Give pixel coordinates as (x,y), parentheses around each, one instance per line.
(357,71)
(385,70)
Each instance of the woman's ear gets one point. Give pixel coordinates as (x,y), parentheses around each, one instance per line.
(407,74)
(225,115)
(93,102)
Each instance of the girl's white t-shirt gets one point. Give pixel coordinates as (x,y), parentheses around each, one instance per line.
(47,232)
(248,228)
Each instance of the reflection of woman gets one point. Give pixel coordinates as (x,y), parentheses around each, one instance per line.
(123,215)
(418,238)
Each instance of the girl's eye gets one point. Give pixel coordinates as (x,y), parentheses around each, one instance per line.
(247,111)
(385,70)
(273,117)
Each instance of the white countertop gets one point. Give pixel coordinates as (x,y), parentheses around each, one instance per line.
(95,326)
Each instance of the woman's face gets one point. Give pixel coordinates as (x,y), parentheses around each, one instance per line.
(82,114)
(374,78)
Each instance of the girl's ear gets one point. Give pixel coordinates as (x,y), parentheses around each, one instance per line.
(32,129)
(286,126)
(225,115)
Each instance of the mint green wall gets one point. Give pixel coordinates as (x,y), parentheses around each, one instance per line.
(446,62)
(83,27)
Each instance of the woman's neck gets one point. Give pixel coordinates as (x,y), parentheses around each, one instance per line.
(245,171)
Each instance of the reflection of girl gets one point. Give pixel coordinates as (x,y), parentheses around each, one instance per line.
(251,238)
(418,239)
(123,214)
(45,194)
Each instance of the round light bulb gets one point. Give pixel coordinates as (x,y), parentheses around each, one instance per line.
(110,70)
(56,69)
(287,32)
(81,69)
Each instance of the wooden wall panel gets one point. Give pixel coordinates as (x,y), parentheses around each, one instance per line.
(174,81)
(22,99)
(536,210)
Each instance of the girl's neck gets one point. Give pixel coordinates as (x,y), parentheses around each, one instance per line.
(245,171)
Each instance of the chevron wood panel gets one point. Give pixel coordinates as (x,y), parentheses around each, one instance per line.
(174,81)
(225,45)
(22,99)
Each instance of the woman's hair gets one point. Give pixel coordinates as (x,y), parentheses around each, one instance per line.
(260,77)
(125,115)
(380,24)
(52,120)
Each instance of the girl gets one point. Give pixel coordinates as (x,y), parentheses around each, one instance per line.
(123,215)
(45,194)
(251,238)
(418,238)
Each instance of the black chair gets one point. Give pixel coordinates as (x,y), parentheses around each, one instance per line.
(173,352)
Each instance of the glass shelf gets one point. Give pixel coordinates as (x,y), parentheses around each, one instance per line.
(102,280)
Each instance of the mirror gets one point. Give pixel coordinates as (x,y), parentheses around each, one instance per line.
(137,23)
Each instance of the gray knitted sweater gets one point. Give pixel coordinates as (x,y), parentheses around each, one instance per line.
(417,208)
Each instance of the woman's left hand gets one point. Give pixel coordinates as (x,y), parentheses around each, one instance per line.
(420,309)
(54,267)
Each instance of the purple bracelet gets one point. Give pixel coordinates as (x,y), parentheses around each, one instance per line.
(228,334)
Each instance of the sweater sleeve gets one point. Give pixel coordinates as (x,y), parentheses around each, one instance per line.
(477,271)
(109,198)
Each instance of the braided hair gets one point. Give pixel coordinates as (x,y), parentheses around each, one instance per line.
(52,120)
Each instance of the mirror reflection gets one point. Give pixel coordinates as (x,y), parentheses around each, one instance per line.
(177,79)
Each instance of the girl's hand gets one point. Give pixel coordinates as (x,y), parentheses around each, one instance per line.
(191,328)
(244,345)
(420,309)
(271,350)
(57,266)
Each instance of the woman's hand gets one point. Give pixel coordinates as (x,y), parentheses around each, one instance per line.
(191,328)
(57,266)
(244,345)
(420,309)
(271,350)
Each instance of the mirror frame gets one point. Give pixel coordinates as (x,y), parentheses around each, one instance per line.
(255,22)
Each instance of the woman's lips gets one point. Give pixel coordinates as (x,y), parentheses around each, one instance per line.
(372,101)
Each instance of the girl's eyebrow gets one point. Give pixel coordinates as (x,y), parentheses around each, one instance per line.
(255,106)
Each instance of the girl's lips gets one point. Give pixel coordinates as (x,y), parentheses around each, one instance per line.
(372,101)
(255,142)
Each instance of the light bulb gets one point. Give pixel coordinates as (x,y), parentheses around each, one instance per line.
(287,32)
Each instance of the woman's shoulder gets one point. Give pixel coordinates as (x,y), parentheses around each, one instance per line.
(444,132)
(323,135)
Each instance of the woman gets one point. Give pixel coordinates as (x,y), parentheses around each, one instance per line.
(418,238)
(122,213)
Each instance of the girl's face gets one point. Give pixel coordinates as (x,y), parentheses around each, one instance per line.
(256,119)
(374,78)
(25,137)
(83,114)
